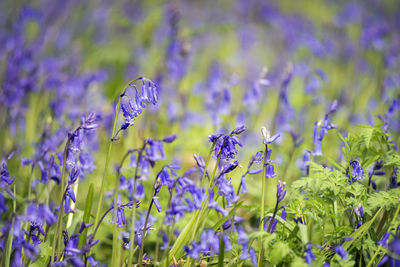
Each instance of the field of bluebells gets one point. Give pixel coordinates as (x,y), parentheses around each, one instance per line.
(199,133)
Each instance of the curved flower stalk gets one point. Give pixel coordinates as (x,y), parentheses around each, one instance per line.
(136,104)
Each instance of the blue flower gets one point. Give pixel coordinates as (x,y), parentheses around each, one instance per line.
(340,250)
(226,144)
(270,171)
(357,171)
(309,254)
(281,192)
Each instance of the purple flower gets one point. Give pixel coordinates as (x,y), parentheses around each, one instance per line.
(157,203)
(270,172)
(226,144)
(340,250)
(357,171)
(136,101)
(359,211)
(170,138)
(281,192)
(384,241)
(309,254)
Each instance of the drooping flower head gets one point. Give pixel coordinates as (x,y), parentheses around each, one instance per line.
(135,99)
(226,144)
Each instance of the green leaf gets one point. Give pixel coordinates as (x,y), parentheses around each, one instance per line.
(303,233)
(279,252)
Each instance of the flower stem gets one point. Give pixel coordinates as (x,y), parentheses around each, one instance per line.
(261,247)
(144,232)
(132,235)
(273,216)
(58,233)
(100,202)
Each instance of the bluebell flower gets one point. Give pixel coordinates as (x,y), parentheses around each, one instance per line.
(5,176)
(270,171)
(212,204)
(340,250)
(226,144)
(226,190)
(394,183)
(357,171)
(229,167)
(136,101)
(384,241)
(3,206)
(165,241)
(170,138)
(359,211)
(281,192)
(157,203)
(309,254)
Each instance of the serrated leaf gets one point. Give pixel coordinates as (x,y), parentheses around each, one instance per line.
(278,252)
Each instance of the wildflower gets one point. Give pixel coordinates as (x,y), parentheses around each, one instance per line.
(359,211)
(384,241)
(340,250)
(133,107)
(270,172)
(281,192)
(226,144)
(357,171)
(309,254)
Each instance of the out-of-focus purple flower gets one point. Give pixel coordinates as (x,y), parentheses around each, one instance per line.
(342,253)
(394,183)
(165,241)
(384,241)
(226,190)
(170,138)
(157,203)
(309,254)
(359,211)
(212,204)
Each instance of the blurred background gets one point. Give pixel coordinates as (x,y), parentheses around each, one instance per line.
(217,64)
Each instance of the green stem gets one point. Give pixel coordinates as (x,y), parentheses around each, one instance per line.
(112,139)
(116,247)
(58,233)
(221,252)
(100,202)
(273,216)
(144,233)
(204,206)
(133,217)
(260,228)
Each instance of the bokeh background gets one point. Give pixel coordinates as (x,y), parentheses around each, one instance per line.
(218,64)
